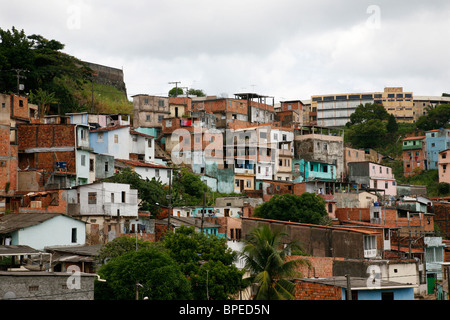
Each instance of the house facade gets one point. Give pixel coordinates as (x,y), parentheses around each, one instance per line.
(436,141)
(414,155)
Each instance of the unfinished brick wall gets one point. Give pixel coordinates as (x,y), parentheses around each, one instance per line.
(321,267)
(357,214)
(315,291)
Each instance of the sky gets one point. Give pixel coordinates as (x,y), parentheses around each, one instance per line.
(285,49)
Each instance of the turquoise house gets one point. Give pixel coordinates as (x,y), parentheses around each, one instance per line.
(309,170)
(436,141)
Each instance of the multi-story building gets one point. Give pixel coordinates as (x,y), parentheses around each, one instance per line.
(436,141)
(334,110)
(237,112)
(109,209)
(149,111)
(373,177)
(320,144)
(422,103)
(56,155)
(414,155)
(444,166)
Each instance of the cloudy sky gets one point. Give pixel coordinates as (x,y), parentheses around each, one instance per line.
(286,49)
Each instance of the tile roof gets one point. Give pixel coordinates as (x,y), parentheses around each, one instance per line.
(136,163)
(110,128)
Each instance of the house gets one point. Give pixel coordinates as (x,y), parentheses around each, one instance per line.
(372,176)
(107,207)
(444,166)
(320,144)
(352,288)
(64,258)
(434,258)
(147,170)
(436,141)
(142,146)
(149,111)
(414,155)
(322,241)
(208,228)
(57,153)
(311,170)
(40,230)
(113,141)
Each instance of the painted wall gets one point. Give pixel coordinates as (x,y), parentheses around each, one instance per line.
(53,232)
(436,141)
(376,294)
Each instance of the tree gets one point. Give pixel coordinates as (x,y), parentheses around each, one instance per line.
(369,134)
(264,255)
(118,247)
(150,192)
(149,271)
(196,92)
(436,118)
(42,64)
(206,261)
(43,99)
(392,125)
(306,208)
(368,111)
(175,91)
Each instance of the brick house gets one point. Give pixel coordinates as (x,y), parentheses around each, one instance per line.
(414,155)
(335,288)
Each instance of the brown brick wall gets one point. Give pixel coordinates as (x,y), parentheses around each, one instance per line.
(314,291)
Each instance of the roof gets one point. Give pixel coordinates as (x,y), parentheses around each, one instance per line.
(84,250)
(14,250)
(190,221)
(110,128)
(141,134)
(414,138)
(358,283)
(136,163)
(337,228)
(15,221)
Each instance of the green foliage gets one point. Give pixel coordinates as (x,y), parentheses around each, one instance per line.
(158,276)
(42,63)
(265,255)
(196,254)
(436,118)
(150,191)
(392,126)
(369,111)
(370,134)
(174,92)
(118,247)
(196,92)
(306,208)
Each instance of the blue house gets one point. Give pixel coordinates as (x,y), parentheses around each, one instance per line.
(437,141)
(309,170)
(360,289)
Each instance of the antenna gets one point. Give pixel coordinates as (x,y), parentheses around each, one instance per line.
(176,86)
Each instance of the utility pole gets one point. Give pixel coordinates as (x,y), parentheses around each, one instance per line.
(18,72)
(203,211)
(170,200)
(349,289)
(176,86)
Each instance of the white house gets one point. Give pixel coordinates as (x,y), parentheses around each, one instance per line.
(114,141)
(148,170)
(142,145)
(104,199)
(40,230)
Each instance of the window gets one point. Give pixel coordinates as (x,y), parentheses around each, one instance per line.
(83,160)
(92,198)
(100,137)
(106,166)
(3,105)
(123,196)
(249,183)
(91,164)
(156,172)
(112,197)
(147,118)
(116,138)
(160,118)
(370,243)
(74,235)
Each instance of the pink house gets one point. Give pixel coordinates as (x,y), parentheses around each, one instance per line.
(444,166)
(373,176)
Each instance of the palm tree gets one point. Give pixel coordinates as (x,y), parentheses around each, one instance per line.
(264,255)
